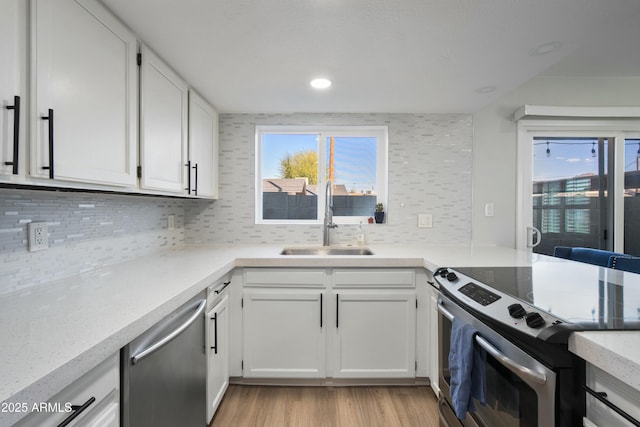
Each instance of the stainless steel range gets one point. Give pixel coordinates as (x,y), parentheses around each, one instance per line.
(524,317)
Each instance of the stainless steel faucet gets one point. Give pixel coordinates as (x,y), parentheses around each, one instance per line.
(328,214)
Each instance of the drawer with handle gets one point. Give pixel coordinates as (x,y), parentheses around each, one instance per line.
(92,400)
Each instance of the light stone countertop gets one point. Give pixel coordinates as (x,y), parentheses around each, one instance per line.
(615,352)
(53,334)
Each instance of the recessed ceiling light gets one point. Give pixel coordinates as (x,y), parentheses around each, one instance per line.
(320,83)
(543,49)
(486,89)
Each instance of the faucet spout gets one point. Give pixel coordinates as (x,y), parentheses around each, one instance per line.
(328,214)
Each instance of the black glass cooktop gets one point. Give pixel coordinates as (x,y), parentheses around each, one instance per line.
(592,297)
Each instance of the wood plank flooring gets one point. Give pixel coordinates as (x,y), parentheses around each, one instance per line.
(247,406)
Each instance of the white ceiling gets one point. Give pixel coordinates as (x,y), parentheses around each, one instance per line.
(382,55)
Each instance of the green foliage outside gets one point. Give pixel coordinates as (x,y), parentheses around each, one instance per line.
(302,164)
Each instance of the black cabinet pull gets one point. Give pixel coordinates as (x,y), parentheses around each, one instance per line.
(77,410)
(188,165)
(16,133)
(320,311)
(217,291)
(50,119)
(602,397)
(215,333)
(337,311)
(195,192)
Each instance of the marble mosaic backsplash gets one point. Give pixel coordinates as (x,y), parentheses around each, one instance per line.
(430,161)
(86,231)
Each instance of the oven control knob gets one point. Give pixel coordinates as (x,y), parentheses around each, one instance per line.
(516,311)
(444,272)
(534,320)
(451,276)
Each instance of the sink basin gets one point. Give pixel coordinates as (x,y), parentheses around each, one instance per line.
(326,250)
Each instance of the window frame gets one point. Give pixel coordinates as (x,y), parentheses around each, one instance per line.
(619,128)
(323,132)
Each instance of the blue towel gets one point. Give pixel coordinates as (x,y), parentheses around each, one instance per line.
(467,365)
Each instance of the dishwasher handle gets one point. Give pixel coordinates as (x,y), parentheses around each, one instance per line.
(165,340)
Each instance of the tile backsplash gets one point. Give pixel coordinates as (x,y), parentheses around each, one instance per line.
(86,232)
(430,161)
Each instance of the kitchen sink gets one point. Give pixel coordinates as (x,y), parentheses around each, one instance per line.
(326,250)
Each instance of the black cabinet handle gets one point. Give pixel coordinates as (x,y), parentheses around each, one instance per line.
(77,410)
(602,397)
(16,133)
(215,333)
(217,291)
(337,311)
(320,311)
(50,119)
(195,192)
(188,165)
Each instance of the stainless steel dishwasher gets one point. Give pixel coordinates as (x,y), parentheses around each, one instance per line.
(164,371)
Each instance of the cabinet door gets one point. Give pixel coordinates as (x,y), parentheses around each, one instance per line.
(84,71)
(374,334)
(203,148)
(284,334)
(163,125)
(13,21)
(434,375)
(218,354)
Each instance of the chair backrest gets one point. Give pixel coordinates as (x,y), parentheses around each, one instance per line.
(599,257)
(589,255)
(625,263)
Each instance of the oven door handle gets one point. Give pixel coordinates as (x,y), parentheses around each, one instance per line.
(522,371)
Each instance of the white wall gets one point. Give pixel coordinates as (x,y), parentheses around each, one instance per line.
(494,142)
(429,172)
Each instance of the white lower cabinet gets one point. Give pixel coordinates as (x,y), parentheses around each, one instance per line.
(284,333)
(93,400)
(374,334)
(433,372)
(615,395)
(217,342)
(342,323)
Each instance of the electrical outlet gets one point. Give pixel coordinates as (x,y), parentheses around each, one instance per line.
(425,221)
(38,236)
(171,222)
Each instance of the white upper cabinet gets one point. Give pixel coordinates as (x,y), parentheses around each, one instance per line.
(13,21)
(202,180)
(163,126)
(84,94)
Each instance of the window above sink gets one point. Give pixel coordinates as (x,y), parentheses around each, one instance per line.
(294,163)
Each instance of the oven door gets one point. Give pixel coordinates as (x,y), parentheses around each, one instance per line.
(520,391)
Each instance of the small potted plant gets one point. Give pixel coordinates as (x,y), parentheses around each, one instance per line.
(379,213)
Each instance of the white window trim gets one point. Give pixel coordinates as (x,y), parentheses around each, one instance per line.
(381,132)
(527,129)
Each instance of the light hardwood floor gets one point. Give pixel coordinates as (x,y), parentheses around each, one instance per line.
(246,406)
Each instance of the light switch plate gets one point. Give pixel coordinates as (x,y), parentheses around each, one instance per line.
(38,236)
(488,209)
(425,220)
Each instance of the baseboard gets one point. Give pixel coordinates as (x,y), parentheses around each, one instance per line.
(331,382)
